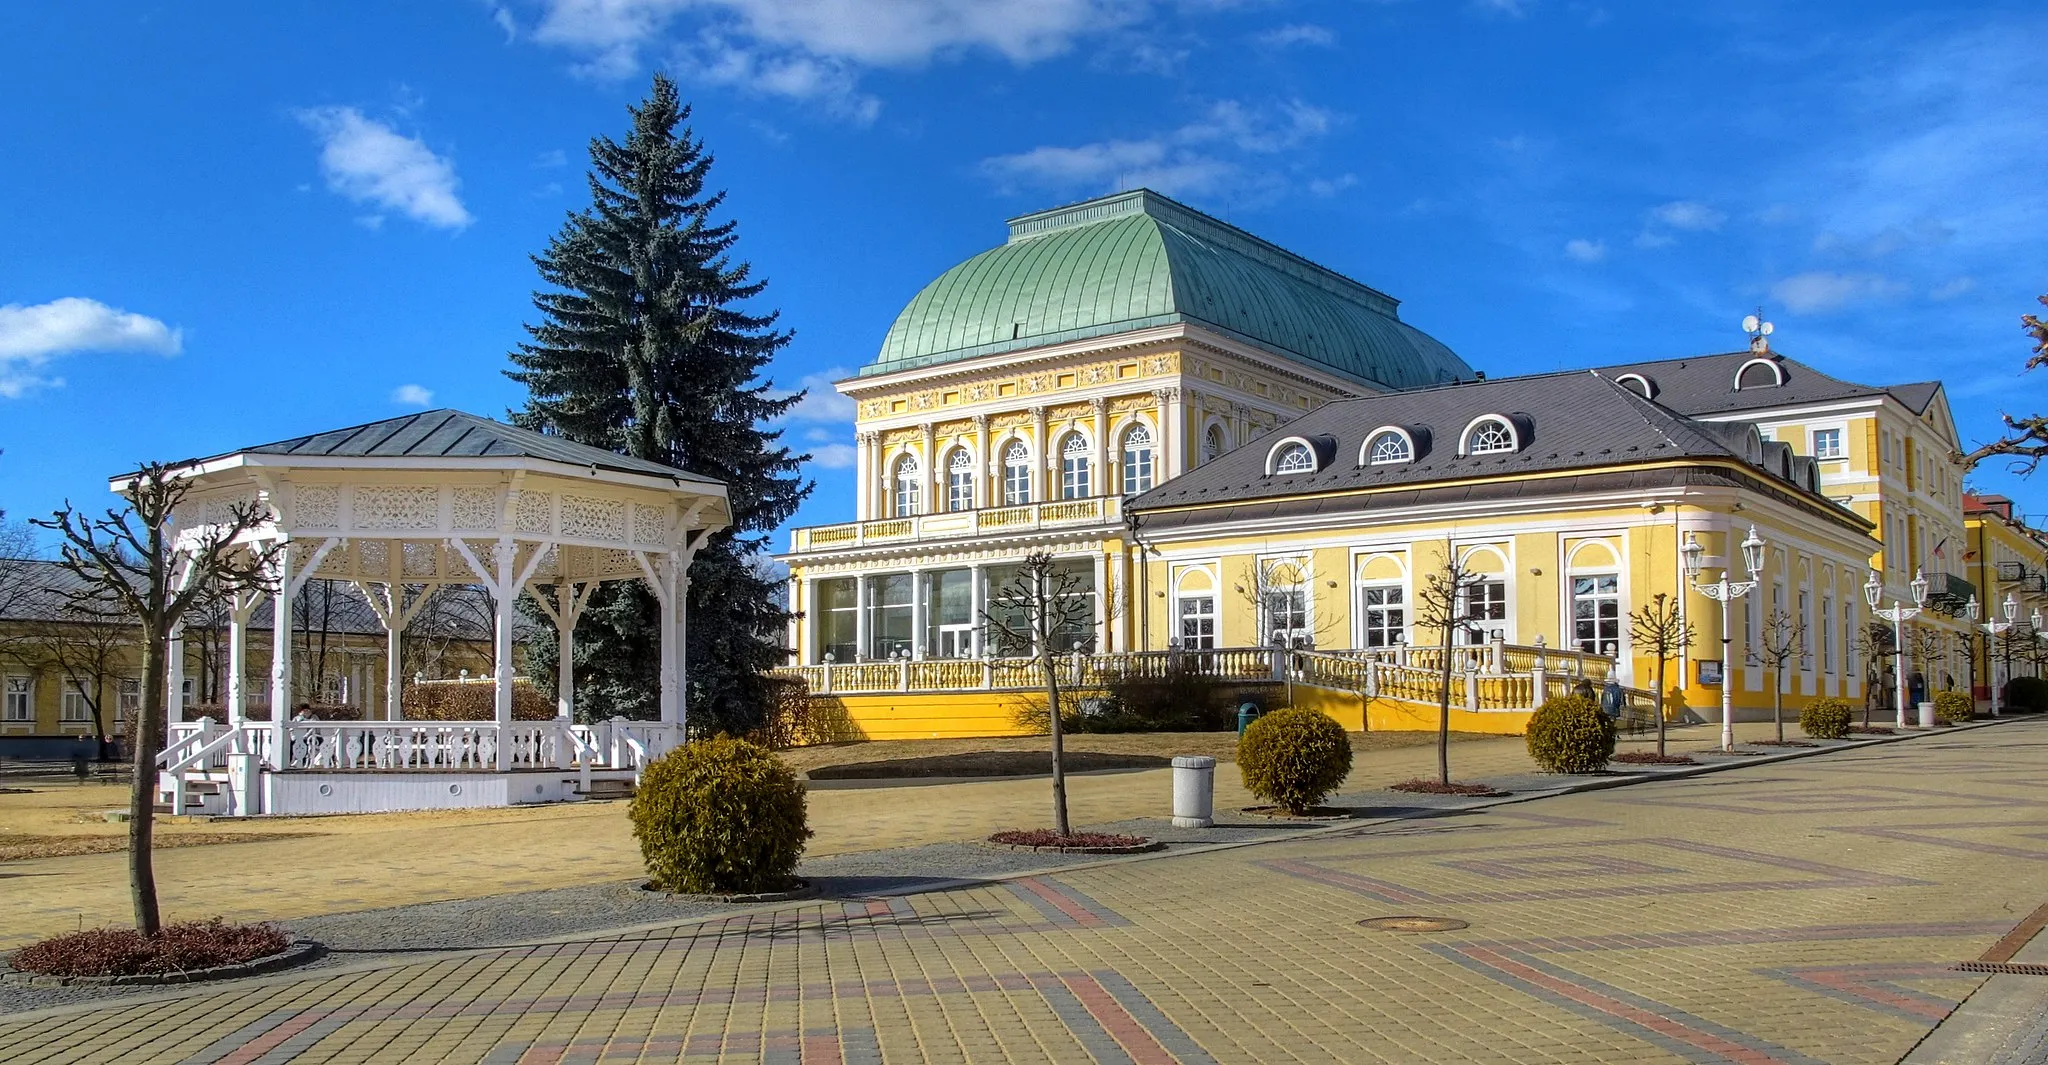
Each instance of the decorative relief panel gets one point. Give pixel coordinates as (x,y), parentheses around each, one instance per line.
(1069,411)
(397,507)
(219,510)
(475,507)
(316,506)
(422,558)
(1131,404)
(901,436)
(1022,384)
(587,518)
(651,523)
(535,513)
(373,556)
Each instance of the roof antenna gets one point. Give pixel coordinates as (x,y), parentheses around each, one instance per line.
(1759,332)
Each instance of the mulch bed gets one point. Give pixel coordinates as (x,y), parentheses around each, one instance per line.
(1652,758)
(1437,787)
(1045,839)
(177,949)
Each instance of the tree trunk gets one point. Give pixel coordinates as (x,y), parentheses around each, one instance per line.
(1059,760)
(1443,720)
(148,733)
(1658,702)
(1778,701)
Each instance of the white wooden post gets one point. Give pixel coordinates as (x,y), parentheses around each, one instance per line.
(281,659)
(670,590)
(174,676)
(504,594)
(565,640)
(238,660)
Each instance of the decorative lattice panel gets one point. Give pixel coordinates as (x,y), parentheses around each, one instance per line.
(397,507)
(316,506)
(475,507)
(587,518)
(651,523)
(535,513)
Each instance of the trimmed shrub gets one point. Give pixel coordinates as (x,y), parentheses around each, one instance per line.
(477,701)
(1294,758)
(1954,707)
(2027,693)
(1825,719)
(720,816)
(1569,734)
(1178,698)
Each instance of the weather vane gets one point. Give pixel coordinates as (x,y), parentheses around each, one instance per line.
(1759,331)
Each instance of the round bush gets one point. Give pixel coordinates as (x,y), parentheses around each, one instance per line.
(1954,707)
(1293,758)
(2027,693)
(1569,734)
(1825,719)
(720,816)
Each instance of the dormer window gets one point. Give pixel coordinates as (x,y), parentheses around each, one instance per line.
(1290,456)
(1759,373)
(1491,434)
(1638,384)
(1387,446)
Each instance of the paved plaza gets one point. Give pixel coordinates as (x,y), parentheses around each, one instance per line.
(1798,911)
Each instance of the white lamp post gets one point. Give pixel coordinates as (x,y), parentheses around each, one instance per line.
(1725,591)
(1898,615)
(1992,628)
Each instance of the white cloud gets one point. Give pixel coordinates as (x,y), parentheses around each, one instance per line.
(369,162)
(412,396)
(1949,290)
(1688,215)
(833,456)
(1203,156)
(720,60)
(610,35)
(502,17)
(31,336)
(1510,8)
(1327,187)
(1889,240)
(821,402)
(1819,291)
(1585,251)
(1296,33)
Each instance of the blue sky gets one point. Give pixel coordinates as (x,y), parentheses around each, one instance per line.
(230,223)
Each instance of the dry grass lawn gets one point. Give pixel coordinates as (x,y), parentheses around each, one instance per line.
(18,848)
(1028,755)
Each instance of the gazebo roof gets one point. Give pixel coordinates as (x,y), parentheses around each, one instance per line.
(454,434)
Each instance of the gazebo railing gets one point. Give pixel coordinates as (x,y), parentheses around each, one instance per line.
(420,746)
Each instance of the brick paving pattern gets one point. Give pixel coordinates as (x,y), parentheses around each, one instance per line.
(1795,912)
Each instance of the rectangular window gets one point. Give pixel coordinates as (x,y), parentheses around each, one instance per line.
(1596,614)
(1286,613)
(1485,610)
(1016,484)
(73,708)
(836,614)
(17,699)
(889,614)
(1827,634)
(1384,607)
(1197,622)
(949,614)
(1827,443)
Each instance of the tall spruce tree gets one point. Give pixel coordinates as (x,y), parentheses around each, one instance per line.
(646,347)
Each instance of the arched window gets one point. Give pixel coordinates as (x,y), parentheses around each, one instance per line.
(906,486)
(1016,474)
(1213,444)
(1388,445)
(1638,384)
(1074,467)
(1488,436)
(1769,373)
(960,480)
(1137,459)
(1294,458)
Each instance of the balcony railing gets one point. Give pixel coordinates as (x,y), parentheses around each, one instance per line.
(961,524)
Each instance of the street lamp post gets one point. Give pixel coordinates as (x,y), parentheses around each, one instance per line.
(1994,627)
(1725,591)
(1898,615)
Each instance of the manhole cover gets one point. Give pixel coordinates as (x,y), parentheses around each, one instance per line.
(1413,924)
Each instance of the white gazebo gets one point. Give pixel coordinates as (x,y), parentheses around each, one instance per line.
(399,508)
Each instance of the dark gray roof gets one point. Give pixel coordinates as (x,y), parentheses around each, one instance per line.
(453,433)
(1705,384)
(1567,421)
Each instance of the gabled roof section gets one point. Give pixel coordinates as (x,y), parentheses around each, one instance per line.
(1704,385)
(455,434)
(1569,421)
(1139,260)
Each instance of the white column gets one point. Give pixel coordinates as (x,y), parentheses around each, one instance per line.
(983,497)
(929,474)
(237,694)
(1171,461)
(860,616)
(674,594)
(918,612)
(975,607)
(174,676)
(1041,469)
(281,658)
(1124,635)
(1101,484)
(506,592)
(566,610)
(1101,601)
(394,668)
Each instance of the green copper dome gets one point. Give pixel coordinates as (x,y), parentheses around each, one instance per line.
(1137,260)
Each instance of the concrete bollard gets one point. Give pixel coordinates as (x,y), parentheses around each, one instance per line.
(1194,791)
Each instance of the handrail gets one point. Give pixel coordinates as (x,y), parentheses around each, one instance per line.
(200,757)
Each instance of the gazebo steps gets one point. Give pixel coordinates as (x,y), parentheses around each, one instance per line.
(607,788)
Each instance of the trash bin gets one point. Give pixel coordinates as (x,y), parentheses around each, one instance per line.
(1926,715)
(1246,714)
(1194,791)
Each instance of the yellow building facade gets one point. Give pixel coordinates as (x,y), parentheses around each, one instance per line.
(1114,385)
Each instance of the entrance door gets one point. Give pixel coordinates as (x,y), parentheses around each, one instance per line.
(955,641)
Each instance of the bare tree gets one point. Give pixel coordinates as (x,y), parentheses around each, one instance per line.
(1444,603)
(1875,646)
(206,626)
(1926,647)
(2026,438)
(19,586)
(1660,627)
(1283,599)
(1782,639)
(135,561)
(86,647)
(453,614)
(1034,610)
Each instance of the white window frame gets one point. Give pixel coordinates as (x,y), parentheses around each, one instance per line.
(905,480)
(1572,599)
(1489,625)
(73,708)
(1392,635)
(18,699)
(1076,470)
(1648,389)
(1507,424)
(1016,464)
(1215,442)
(1138,461)
(1368,452)
(1280,458)
(1834,453)
(960,480)
(1777,373)
(1205,616)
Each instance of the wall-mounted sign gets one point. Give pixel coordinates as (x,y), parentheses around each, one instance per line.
(1710,671)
